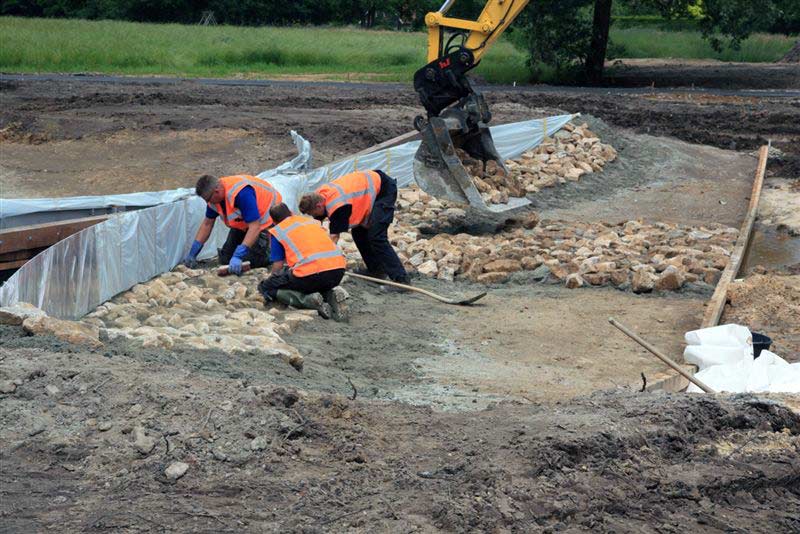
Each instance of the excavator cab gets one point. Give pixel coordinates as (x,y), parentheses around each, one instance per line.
(457,115)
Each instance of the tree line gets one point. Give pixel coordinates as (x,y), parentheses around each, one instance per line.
(565,34)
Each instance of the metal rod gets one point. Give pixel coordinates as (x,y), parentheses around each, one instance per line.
(661,356)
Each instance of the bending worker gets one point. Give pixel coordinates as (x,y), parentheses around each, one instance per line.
(243,202)
(362,202)
(306,264)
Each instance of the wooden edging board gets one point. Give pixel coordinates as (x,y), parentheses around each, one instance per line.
(670,381)
(21,243)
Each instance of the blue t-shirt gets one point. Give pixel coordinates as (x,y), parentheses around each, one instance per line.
(245,202)
(276,250)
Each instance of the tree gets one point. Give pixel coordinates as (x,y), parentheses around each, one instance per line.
(573,33)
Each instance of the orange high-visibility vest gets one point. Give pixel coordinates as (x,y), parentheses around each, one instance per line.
(358,189)
(266,197)
(309,249)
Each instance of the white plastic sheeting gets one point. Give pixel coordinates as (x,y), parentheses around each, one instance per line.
(724,357)
(74,276)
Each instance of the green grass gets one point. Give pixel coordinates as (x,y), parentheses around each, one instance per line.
(653,43)
(111,47)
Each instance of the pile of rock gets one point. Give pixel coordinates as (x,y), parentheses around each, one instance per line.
(572,152)
(495,185)
(196,309)
(633,255)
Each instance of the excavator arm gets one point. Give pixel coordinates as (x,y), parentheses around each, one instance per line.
(496,16)
(457,115)
(442,81)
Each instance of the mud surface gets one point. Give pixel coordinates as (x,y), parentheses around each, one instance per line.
(464,419)
(67,137)
(266,458)
(702,73)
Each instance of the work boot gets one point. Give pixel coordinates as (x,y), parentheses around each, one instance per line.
(336,301)
(392,289)
(380,275)
(312,301)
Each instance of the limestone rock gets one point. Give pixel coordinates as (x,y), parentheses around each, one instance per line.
(70,331)
(428,268)
(17,313)
(670,279)
(259,443)
(7,387)
(142,442)
(503,266)
(494,277)
(176,470)
(573,281)
(643,281)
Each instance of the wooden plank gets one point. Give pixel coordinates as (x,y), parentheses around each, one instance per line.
(400,139)
(719,298)
(16,264)
(715,306)
(43,235)
(20,254)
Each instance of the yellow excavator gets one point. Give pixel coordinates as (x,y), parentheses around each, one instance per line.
(457,115)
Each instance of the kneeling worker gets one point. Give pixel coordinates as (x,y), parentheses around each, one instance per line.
(362,202)
(243,202)
(306,264)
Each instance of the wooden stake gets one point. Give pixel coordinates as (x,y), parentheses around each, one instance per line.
(719,298)
(660,355)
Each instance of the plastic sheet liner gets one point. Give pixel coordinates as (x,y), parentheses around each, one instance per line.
(77,274)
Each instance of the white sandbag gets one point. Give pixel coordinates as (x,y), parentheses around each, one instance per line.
(727,335)
(767,373)
(704,356)
(732,378)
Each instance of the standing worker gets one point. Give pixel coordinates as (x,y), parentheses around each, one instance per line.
(306,264)
(243,202)
(362,202)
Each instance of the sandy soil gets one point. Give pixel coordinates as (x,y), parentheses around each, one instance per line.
(770,304)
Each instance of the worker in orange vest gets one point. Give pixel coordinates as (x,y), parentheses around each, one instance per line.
(362,202)
(306,264)
(243,202)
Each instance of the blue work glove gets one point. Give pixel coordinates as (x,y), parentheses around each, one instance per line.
(191,257)
(235,266)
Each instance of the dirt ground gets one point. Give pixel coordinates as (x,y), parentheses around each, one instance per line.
(480,419)
(262,457)
(701,73)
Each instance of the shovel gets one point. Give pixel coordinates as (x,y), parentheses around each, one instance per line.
(458,302)
(222,270)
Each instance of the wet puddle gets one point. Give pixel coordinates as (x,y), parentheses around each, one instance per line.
(772,249)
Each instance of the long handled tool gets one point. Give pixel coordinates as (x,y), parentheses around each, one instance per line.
(222,270)
(661,356)
(461,302)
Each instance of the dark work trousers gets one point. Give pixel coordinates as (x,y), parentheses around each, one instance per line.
(258,256)
(313,283)
(373,241)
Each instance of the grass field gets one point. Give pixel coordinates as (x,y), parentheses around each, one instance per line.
(654,43)
(58,45)
(111,47)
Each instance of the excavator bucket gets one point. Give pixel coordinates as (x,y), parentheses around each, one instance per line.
(440,173)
